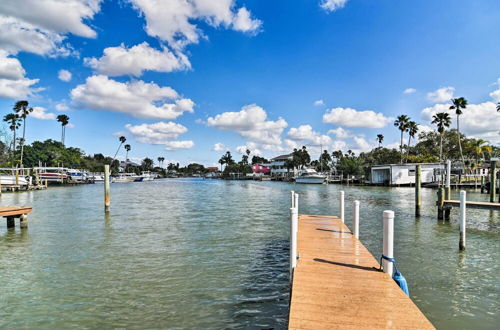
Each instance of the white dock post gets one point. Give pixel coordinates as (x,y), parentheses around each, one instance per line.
(342,206)
(293,198)
(388,245)
(296,202)
(294,216)
(355,218)
(463,204)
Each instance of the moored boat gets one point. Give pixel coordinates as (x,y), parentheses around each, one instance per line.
(310,176)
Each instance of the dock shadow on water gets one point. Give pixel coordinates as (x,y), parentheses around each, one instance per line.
(264,299)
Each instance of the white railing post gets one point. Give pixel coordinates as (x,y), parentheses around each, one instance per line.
(293,239)
(448,173)
(342,206)
(293,198)
(463,206)
(355,218)
(388,247)
(296,202)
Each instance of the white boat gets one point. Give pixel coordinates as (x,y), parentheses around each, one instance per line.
(310,176)
(126,177)
(96,177)
(10,180)
(147,176)
(76,175)
(51,174)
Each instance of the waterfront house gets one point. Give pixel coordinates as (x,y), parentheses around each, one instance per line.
(404,174)
(278,168)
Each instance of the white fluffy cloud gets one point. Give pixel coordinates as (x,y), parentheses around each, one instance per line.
(219,147)
(251,123)
(472,120)
(62,107)
(39,26)
(441,95)
(137,98)
(41,113)
(13,83)
(162,133)
(340,133)
(495,95)
(332,5)
(354,118)
(64,75)
(409,91)
(174,21)
(319,103)
(118,61)
(242,150)
(305,134)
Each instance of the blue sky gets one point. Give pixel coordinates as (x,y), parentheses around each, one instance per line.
(189,79)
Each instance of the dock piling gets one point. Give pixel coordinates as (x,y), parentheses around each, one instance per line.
(23,221)
(11,223)
(418,197)
(107,199)
(463,201)
(296,201)
(388,241)
(294,217)
(355,219)
(342,209)
(493,180)
(440,203)
(293,198)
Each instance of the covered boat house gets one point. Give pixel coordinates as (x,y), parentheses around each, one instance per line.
(404,174)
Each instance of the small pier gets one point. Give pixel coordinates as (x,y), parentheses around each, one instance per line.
(448,204)
(12,212)
(337,283)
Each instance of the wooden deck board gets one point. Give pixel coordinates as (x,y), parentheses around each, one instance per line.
(473,205)
(337,283)
(13,211)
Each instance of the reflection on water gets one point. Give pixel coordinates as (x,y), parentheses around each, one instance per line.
(189,253)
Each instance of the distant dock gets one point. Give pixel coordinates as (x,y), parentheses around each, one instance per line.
(337,283)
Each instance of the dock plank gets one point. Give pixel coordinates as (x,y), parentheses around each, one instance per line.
(337,283)
(12,211)
(473,205)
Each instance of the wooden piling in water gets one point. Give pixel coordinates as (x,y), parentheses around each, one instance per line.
(463,205)
(440,203)
(107,198)
(493,180)
(418,197)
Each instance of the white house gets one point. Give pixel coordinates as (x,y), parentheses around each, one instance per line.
(404,174)
(277,164)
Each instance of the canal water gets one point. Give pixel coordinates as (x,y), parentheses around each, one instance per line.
(192,253)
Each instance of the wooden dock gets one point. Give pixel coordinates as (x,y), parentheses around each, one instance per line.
(12,212)
(472,205)
(337,284)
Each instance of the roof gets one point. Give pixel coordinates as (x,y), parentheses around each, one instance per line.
(282,157)
(407,164)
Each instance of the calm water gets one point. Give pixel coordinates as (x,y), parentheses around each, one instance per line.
(189,253)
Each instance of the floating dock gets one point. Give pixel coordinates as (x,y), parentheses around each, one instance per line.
(337,283)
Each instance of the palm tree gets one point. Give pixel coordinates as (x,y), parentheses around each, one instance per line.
(23,110)
(498,106)
(480,147)
(459,104)
(442,121)
(122,140)
(402,124)
(412,130)
(380,138)
(127,149)
(13,120)
(64,120)
(221,162)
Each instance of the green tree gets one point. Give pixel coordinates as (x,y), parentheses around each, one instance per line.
(147,164)
(459,104)
(12,119)
(401,123)
(122,140)
(23,109)
(380,138)
(127,149)
(324,161)
(64,120)
(442,121)
(412,130)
